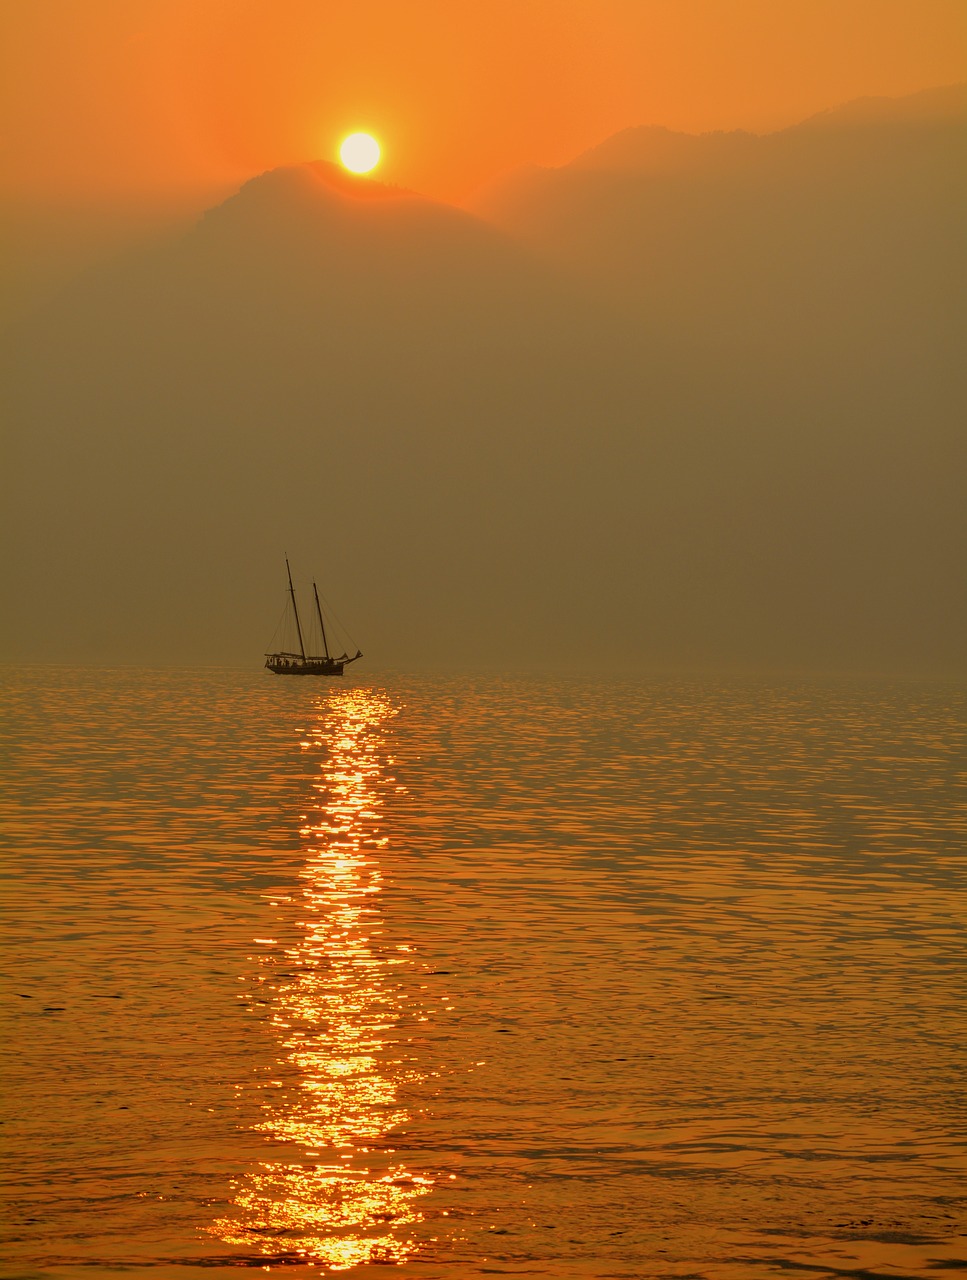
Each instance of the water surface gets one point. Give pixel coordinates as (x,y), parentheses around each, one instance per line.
(560,978)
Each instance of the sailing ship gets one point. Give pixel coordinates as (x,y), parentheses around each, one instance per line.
(289,663)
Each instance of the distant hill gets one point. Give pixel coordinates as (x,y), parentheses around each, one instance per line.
(685,401)
(655,150)
(930,106)
(322,365)
(647,211)
(835,246)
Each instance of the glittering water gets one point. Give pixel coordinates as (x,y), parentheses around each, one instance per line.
(549,978)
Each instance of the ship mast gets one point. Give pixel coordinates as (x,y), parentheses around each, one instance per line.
(295,609)
(322,625)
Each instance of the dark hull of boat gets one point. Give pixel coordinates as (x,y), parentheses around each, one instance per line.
(306,668)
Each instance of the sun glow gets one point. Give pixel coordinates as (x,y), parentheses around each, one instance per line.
(359,152)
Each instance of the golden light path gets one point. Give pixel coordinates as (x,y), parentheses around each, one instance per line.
(345,1202)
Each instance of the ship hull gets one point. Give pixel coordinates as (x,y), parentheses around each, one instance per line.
(306,668)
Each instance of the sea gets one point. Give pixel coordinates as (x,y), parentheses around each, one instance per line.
(453,976)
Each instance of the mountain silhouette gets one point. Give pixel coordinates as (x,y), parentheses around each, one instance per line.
(821,233)
(320,363)
(653,149)
(690,401)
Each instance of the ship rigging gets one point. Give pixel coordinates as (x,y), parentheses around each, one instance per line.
(286,662)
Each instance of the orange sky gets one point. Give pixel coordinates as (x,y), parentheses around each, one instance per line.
(111,99)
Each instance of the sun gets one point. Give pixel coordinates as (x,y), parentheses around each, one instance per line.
(359,152)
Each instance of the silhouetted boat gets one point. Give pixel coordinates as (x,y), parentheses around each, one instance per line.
(285,663)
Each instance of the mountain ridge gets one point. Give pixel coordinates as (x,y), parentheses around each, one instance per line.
(657,148)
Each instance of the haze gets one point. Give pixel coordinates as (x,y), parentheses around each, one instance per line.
(653,396)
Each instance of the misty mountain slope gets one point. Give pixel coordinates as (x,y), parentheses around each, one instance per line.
(816,278)
(294,294)
(655,150)
(636,433)
(308,367)
(843,231)
(296,248)
(307,237)
(929,106)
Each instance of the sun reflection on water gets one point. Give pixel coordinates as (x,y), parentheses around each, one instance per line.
(333,999)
